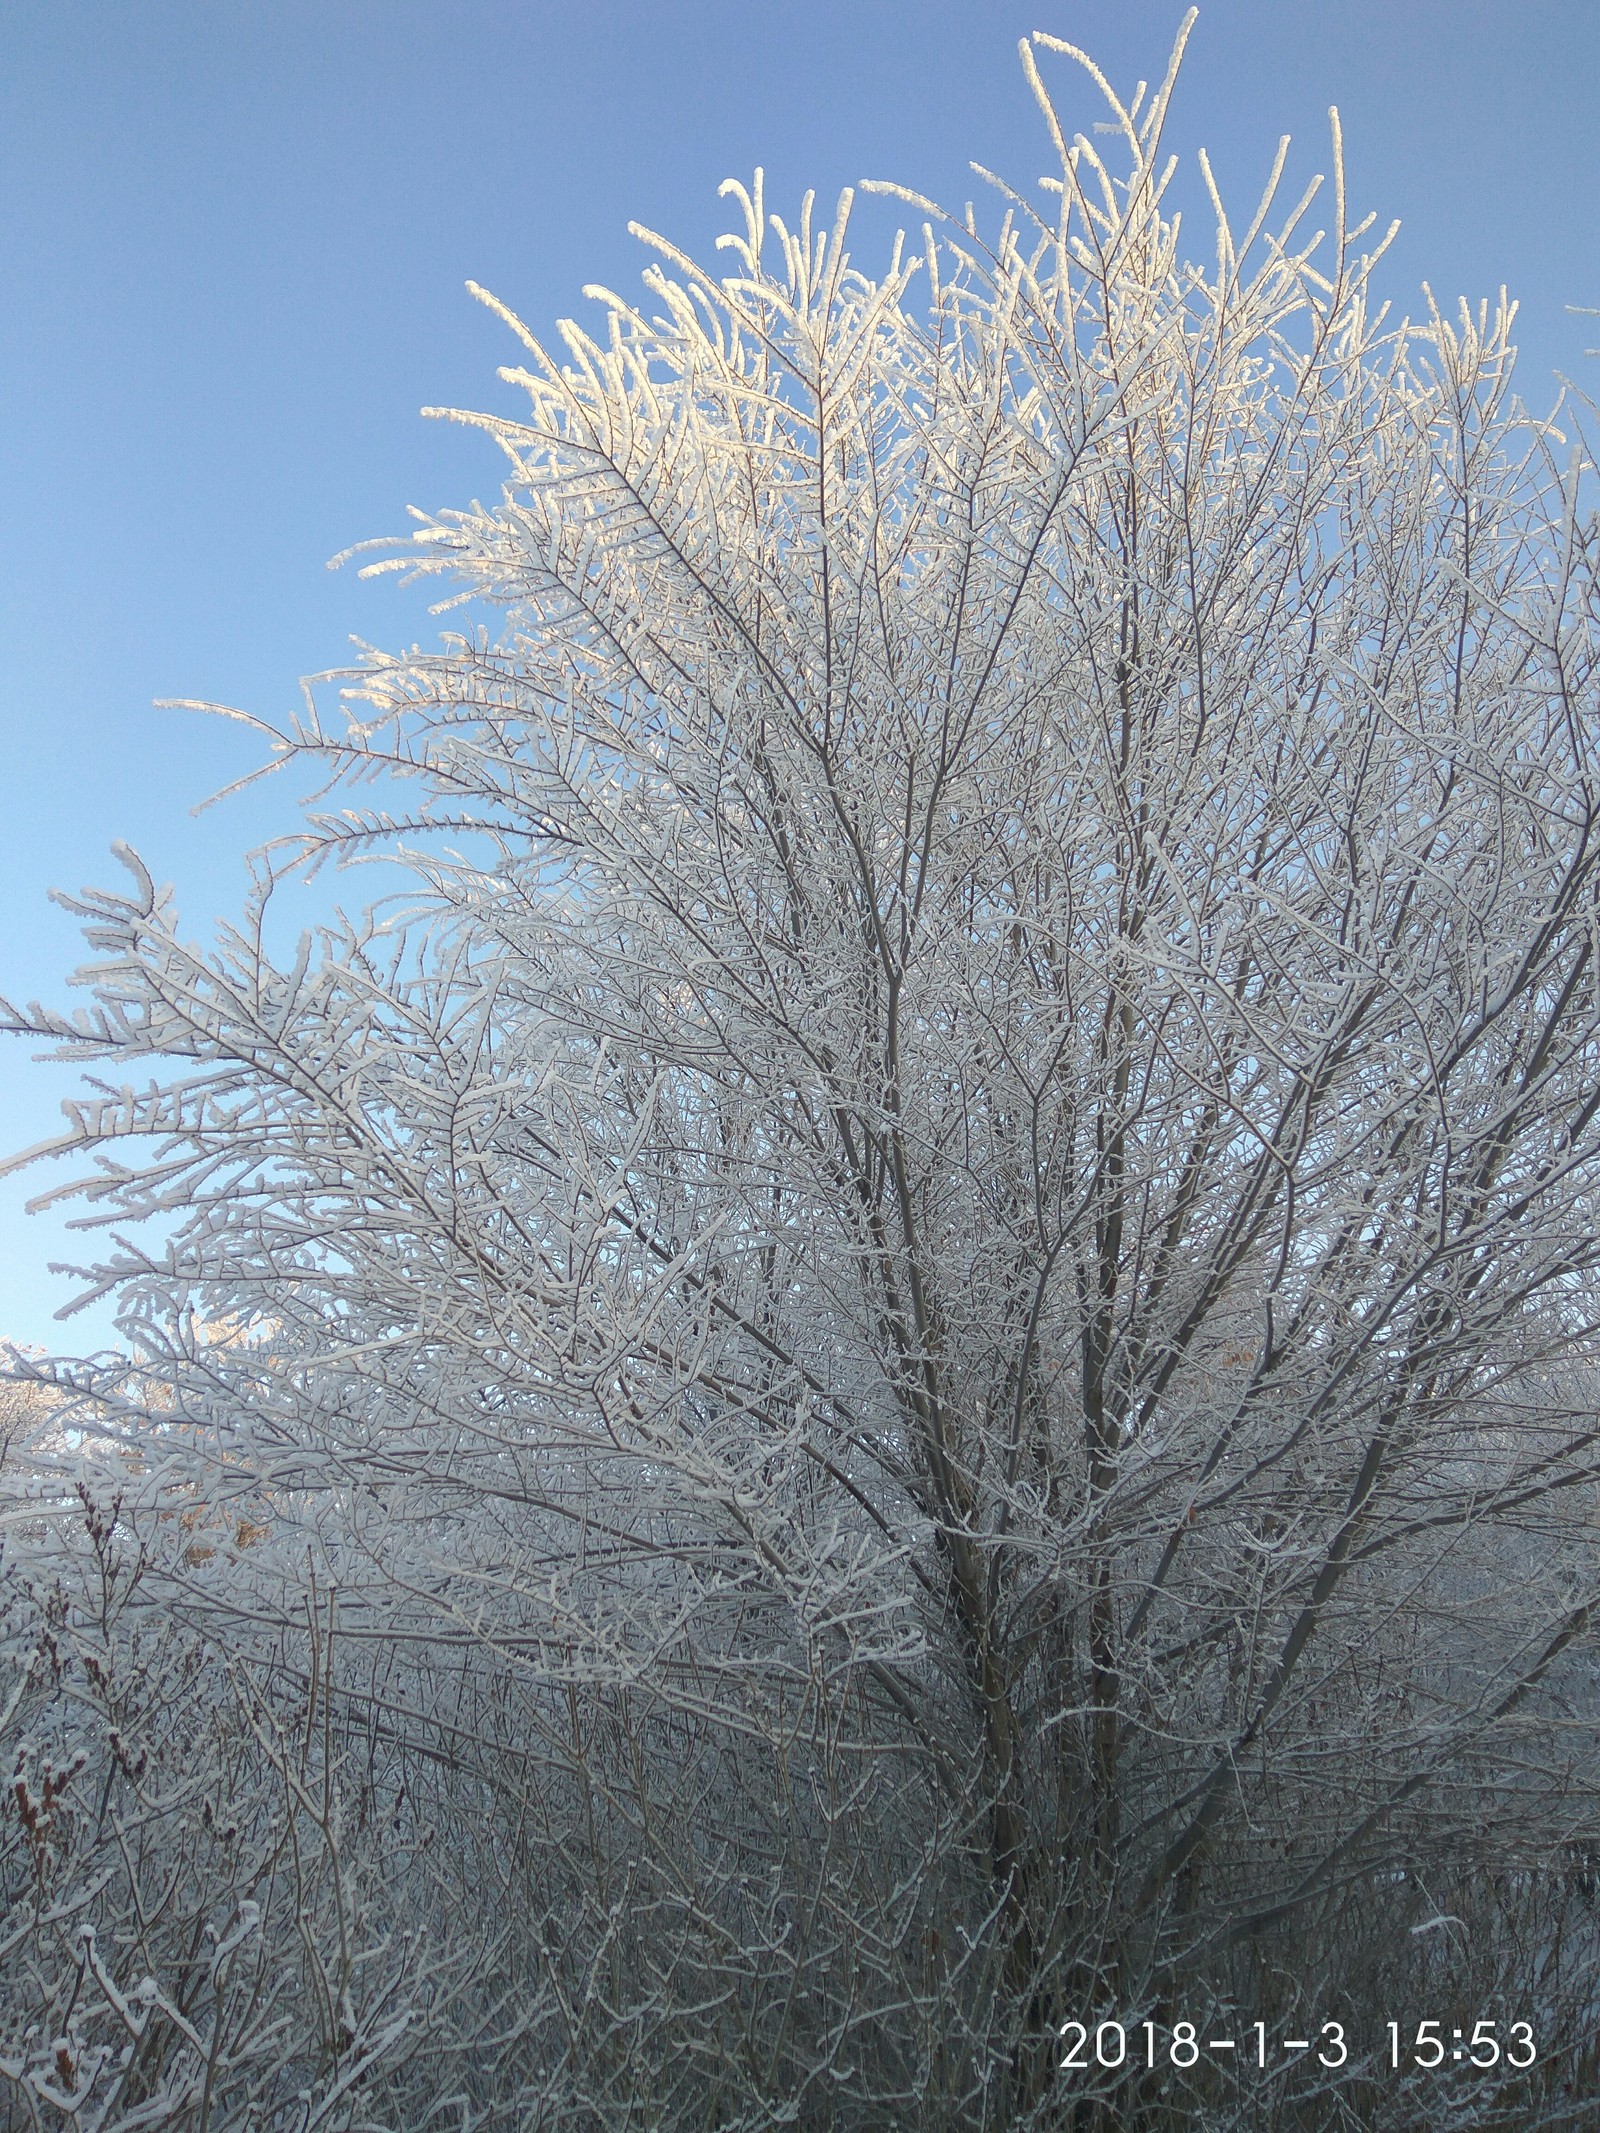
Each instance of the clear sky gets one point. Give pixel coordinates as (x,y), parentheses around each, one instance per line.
(231,262)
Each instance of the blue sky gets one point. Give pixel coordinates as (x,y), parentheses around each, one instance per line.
(231,265)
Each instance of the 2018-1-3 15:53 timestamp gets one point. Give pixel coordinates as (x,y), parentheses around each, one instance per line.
(1106,2046)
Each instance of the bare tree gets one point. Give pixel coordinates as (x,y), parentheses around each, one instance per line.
(931,1307)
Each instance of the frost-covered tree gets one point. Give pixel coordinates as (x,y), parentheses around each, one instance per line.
(921,1332)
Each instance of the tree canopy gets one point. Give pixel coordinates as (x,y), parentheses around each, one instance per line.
(909,1358)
